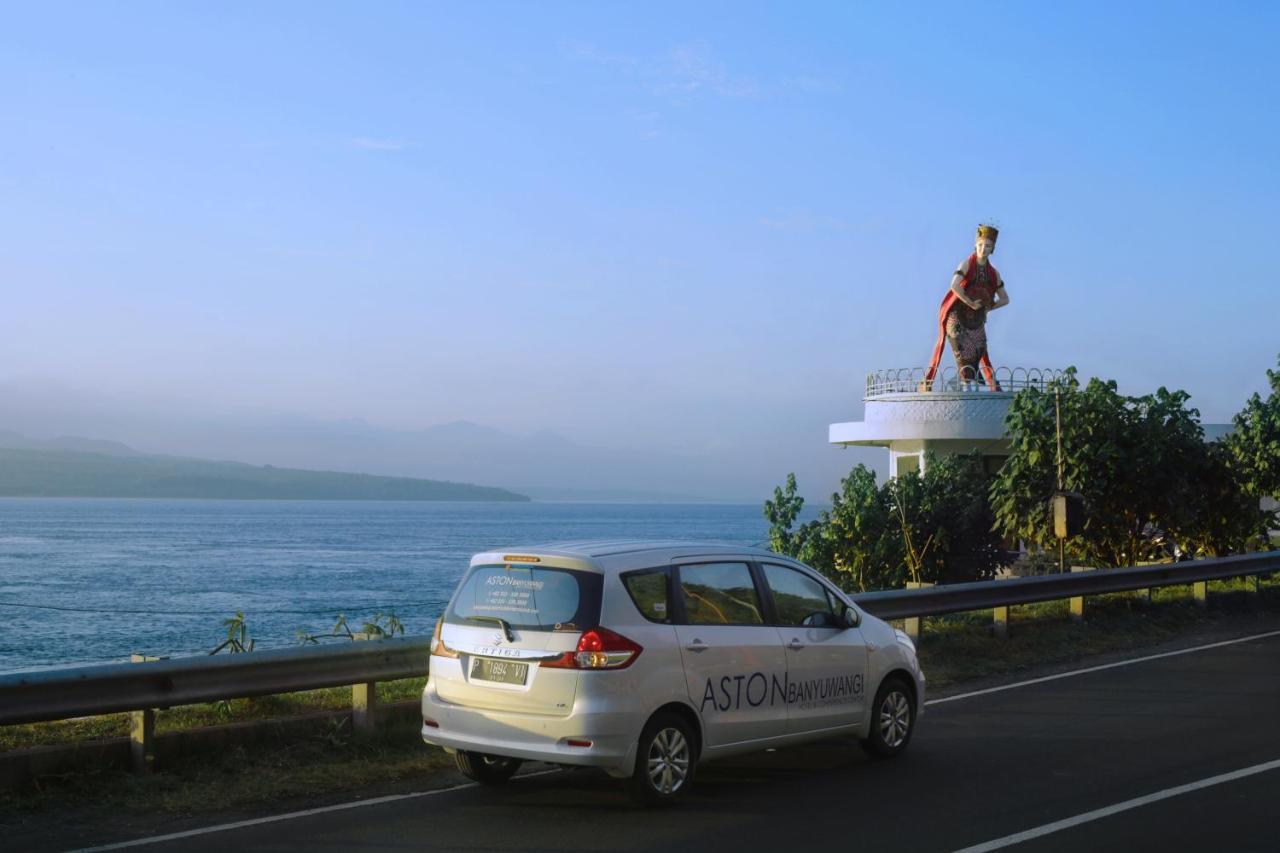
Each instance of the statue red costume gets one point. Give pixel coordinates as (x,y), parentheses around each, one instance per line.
(949,303)
(976,289)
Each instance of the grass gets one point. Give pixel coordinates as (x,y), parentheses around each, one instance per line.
(326,762)
(962,647)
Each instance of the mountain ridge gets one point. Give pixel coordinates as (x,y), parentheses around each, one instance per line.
(45,472)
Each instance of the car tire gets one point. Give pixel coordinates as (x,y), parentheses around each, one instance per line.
(486,769)
(666,761)
(893,719)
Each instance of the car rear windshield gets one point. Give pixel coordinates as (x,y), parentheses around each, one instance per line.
(535,598)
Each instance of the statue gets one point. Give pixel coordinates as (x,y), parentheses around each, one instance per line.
(976,289)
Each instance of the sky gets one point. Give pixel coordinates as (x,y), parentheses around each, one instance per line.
(680,228)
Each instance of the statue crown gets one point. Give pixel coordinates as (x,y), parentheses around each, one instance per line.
(988,231)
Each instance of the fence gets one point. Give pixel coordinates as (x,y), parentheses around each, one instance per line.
(139,688)
(910,380)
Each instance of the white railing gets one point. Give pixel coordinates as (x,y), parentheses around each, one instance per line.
(903,380)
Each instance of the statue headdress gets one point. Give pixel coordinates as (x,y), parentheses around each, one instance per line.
(988,232)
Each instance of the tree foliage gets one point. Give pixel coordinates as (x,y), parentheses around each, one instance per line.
(1152,487)
(238,639)
(935,526)
(381,625)
(1220,515)
(1142,465)
(1254,446)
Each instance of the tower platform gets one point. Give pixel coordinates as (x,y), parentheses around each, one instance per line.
(910,416)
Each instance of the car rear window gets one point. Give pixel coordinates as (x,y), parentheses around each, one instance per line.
(648,590)
(538,598)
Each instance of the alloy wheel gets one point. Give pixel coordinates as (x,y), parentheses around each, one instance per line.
(895,719)
(668,760)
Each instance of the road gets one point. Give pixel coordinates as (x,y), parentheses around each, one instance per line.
(982,768)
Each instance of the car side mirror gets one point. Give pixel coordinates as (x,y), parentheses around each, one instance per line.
(851,618)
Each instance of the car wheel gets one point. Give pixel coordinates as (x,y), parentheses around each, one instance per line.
(486,769)
(893,717)
(666,761)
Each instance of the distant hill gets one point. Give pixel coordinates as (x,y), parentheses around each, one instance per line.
(11,439)
(122,473)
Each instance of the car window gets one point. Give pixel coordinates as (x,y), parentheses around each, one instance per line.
(799,599)
(530,597)
(719,594)
(648,590)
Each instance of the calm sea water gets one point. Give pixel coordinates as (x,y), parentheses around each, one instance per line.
(88,581)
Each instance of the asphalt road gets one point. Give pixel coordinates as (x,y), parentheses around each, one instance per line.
(980,768)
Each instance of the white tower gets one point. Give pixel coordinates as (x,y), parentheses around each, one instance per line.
(911,417)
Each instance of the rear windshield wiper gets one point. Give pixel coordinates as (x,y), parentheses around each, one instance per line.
(506,626)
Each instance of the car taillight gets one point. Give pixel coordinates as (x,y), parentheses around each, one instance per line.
(598,648)
(438,648)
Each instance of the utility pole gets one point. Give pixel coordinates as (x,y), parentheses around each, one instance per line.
(1057,421)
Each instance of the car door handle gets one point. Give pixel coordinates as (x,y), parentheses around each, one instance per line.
(795,644)
(697,646)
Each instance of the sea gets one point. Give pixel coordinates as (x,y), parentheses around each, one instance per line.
(86,581)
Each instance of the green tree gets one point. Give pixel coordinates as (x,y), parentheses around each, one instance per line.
(1220,516)
(1254,445)
(782,513)
(931,527)
(1135,460)
(947,520)
(859,541)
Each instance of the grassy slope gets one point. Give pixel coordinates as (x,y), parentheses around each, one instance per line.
(57,473)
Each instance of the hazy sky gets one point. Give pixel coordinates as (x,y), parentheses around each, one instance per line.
(692,227)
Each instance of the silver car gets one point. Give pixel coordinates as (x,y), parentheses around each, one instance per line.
(647,658)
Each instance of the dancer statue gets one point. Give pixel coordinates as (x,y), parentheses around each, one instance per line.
(976,289)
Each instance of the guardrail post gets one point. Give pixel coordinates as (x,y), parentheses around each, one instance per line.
(364,700)
(1000,624)
(1200,592)
(1077,601)
(913,626)
(1253,585)
(142,731)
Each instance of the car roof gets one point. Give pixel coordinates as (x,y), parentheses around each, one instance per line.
(623,554)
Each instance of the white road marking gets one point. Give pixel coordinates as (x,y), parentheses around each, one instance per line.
(223,827)
(1100,668)
(258,821)
(1108,811)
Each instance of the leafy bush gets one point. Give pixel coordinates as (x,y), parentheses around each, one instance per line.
(381,625)
(238,639)
(935,526)
(1254,446)
(1147,476)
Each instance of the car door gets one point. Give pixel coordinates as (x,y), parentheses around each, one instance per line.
(826,660)
(734,663)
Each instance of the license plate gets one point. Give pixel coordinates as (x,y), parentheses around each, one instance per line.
(501,671)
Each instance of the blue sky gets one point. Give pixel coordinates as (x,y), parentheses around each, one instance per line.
(672,226)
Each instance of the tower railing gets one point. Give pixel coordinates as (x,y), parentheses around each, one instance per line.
(910,380)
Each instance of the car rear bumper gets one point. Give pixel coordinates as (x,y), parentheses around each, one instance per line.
(534,737)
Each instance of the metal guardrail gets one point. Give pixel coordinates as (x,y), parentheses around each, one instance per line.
(61,694)
(910,380)
(987,595)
